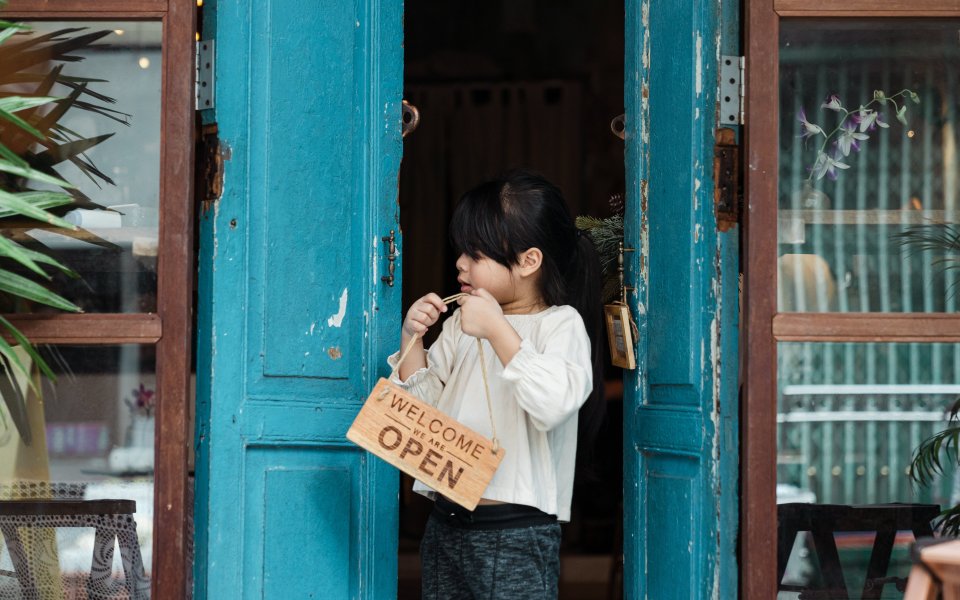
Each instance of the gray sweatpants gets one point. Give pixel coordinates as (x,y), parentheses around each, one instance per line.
(521,563)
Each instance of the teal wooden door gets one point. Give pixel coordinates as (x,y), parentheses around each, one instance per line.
(294,320)
(680,411)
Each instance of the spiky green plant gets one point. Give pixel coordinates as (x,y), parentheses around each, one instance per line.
(931,458)
(942,449)
(607,234)
(33,142)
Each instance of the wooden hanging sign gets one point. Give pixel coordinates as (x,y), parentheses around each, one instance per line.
(426,444)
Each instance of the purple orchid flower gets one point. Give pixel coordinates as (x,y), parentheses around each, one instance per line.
(868,119)
(851,129)
(143,400)
(832,103)
(827,165)
(809,129)
(849,139)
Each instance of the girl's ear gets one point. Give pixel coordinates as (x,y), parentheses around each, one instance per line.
(530,261)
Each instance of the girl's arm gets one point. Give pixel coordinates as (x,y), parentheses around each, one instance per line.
(552,375)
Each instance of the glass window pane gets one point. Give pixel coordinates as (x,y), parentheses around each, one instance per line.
(76,461)
(868,162)
(107,143)
(849,418)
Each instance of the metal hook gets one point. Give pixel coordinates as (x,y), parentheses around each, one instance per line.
(409,118)
(618,125)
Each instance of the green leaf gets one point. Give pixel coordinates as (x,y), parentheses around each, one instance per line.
(11,24)
(24,288)
(15,251)
(8,30)
(17,103)
(13,104)
(11,355)
(11,156)
(33,174)
(32,204)
(13,398)
(43,259)
(29,349)
(32,259)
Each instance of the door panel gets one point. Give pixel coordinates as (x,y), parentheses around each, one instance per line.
(680,465)
(298,322)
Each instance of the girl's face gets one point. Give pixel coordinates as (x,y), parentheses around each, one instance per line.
(488,274)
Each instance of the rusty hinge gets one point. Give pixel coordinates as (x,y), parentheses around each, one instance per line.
(726,179)
(209,183)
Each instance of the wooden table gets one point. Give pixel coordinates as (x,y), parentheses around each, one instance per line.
(824,520)
(110,519)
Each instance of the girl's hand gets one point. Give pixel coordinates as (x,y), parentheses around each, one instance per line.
(480,314)
(482,317)
(422,314)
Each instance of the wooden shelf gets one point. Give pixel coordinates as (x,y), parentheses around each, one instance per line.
(870,217)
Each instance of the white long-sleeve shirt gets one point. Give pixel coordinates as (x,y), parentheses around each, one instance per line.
(535,400)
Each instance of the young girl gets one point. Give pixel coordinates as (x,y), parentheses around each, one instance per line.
(533,300)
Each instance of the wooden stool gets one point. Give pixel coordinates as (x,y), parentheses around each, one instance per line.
(110,519)
(936,572)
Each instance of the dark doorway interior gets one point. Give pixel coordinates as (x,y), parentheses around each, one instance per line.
(499,85)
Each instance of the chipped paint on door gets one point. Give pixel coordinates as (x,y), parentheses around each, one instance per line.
(680,405)
(294,322)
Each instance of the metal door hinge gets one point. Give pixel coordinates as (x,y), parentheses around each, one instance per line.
(726,179)
(731,90)
(205,74)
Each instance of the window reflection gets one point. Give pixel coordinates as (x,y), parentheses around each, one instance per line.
(868,134)
(850,417)
(76,461)
(107,143)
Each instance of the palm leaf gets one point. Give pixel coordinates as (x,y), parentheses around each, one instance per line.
(32,204)
(12,394)
(21,287)
(45,259)
(16,252)
(13,104)
(927,463)
(30,350)
(28,173)
(26,122)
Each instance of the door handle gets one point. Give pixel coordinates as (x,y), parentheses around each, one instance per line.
(391,242)
(409,118)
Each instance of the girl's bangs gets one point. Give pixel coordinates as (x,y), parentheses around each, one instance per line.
(477,226)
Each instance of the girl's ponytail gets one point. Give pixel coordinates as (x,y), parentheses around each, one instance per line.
(583,290)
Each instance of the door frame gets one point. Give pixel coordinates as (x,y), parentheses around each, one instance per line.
(171,328)
(763,326)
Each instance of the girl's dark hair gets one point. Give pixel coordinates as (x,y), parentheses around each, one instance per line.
(519,210)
